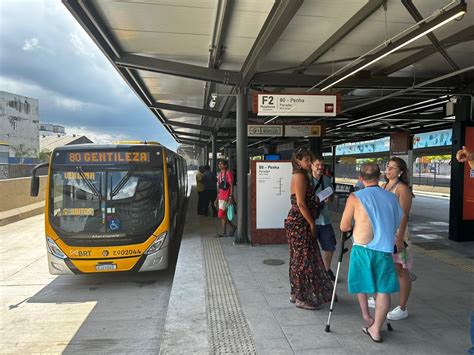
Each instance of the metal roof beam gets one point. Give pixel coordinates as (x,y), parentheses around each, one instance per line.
(217,46)
(465,35)
(364,13)
(393,46)
(188,125)
(191,142)
(198,127)
(190,134)
(417,16)
(186,109)
(304,80)
(168,67)
(277,20)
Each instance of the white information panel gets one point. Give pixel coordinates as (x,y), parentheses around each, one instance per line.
(297,105)
(273,193)
(302,130)
(260,130)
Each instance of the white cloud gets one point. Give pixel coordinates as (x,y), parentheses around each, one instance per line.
(69,103)
(31,44)
(95,135)
(79,47)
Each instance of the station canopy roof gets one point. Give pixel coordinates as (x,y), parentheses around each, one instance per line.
(176,53)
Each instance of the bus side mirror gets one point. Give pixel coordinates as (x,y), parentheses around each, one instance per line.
(35,181)
(34,186)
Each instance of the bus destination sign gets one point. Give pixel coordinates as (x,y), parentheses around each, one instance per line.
(104,157)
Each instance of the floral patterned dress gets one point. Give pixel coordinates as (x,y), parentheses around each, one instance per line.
(309,280)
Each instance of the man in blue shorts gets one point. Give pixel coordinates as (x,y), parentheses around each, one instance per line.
(324,231)
(377,215)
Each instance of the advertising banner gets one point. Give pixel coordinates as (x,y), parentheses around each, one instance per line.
(433,139)
(468,196)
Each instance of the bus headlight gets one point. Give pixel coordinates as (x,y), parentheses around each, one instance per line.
(54,249)
(157,244)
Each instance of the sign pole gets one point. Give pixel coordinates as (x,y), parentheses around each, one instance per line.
(242,168)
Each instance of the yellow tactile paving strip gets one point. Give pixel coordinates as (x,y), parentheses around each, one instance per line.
(229,330)
(462,263)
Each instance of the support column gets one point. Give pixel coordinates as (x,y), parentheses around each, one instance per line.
(242,168)
(214,152)
(206,155)
(334,160)
(203,156)
(316,145)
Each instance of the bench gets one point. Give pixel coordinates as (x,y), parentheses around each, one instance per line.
(343,191)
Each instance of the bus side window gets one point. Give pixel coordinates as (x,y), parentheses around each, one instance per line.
(172,177)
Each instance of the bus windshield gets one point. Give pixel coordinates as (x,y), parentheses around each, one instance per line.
(106,204)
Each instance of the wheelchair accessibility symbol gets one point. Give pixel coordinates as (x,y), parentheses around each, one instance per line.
(114,224)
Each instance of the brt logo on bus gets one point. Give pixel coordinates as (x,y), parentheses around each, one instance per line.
(81,252)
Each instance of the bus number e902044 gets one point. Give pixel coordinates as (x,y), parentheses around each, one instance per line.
(126,252)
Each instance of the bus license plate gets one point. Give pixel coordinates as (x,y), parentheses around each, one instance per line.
(105,267)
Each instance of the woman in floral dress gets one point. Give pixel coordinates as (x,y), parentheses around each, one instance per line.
(310,284)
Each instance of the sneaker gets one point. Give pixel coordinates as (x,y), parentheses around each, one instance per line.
(371,302)
(397,314)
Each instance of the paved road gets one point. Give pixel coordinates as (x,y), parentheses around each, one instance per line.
(432,208)
(117,313)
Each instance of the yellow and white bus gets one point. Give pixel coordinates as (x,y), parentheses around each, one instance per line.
(112,208)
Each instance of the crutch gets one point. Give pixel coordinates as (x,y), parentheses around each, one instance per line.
(344,237)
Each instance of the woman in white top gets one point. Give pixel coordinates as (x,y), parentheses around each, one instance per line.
(398,183)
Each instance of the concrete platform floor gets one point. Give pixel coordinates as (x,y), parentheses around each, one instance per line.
(439,309)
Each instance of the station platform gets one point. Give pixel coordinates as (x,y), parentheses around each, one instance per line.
(225,299)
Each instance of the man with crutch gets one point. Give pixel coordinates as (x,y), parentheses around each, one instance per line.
(376,214)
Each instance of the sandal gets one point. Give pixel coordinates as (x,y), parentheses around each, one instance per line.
(365,330)
(305,305)
(292,298)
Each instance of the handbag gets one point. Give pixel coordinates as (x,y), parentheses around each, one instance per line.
(223,184)
(230,212)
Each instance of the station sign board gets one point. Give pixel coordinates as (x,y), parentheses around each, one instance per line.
(303,130)
(261,130)
(297,105)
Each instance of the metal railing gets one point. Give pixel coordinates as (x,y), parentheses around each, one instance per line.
(12,171)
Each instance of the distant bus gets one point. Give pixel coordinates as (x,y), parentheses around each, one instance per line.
(111,208)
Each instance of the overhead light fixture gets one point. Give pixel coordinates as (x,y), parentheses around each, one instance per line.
(378,115)
(399,112)
(442,19)
(449,118)
(384,113)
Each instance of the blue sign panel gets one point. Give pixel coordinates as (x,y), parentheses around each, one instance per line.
(433,139)
(372,146)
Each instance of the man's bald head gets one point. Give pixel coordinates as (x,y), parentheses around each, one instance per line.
(370,172)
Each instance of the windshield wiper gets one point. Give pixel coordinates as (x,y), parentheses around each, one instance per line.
(122,182)
(89,183)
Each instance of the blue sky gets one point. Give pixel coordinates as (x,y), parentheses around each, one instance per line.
(45,54)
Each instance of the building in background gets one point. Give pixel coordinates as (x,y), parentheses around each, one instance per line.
(48,143)
(49,129)
(19,127)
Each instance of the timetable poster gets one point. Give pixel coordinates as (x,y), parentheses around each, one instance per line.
(273,181)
